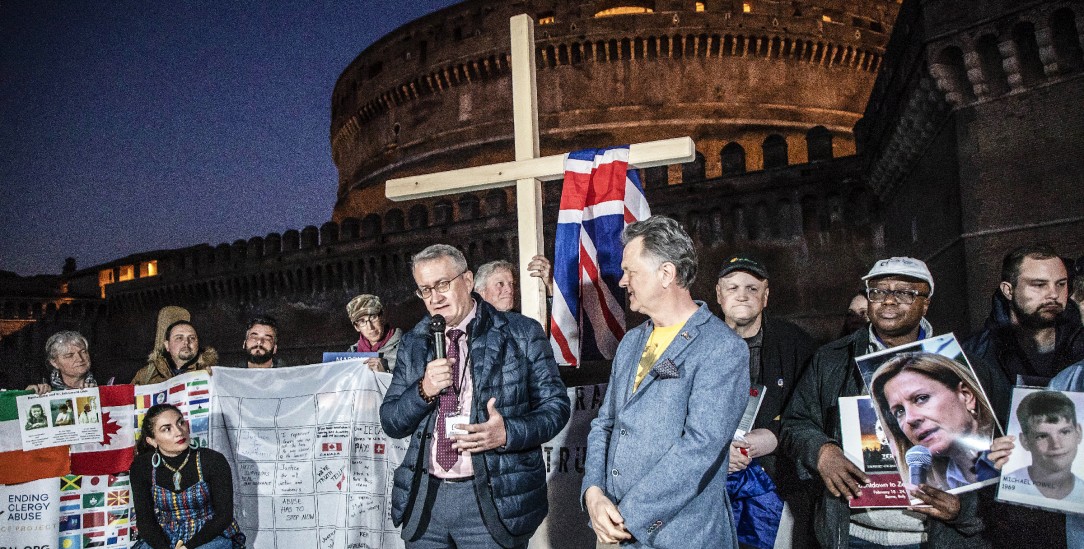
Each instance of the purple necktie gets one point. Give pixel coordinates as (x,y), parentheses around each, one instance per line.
(449,404)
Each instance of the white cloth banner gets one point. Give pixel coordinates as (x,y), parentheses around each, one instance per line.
(30,514)
(311,465)
(566,526)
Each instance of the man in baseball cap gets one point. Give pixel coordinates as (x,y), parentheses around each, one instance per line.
(778,350)
(899,290)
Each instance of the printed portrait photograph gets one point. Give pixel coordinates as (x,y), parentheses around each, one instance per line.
(936,416)
(1045,468)
(36,418)
(63,412)
(87,410)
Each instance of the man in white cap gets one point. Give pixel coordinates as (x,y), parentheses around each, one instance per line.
(899,291)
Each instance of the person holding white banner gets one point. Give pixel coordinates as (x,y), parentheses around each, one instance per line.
(477,410)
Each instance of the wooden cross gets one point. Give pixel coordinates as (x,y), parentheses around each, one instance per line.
(528,170)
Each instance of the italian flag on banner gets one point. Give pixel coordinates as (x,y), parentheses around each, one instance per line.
(17,466)
(114,454)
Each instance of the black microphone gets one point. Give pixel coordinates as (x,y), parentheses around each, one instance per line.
(436,327)
(919,460)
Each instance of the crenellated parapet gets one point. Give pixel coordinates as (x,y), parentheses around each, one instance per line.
(933,71)
(435,94)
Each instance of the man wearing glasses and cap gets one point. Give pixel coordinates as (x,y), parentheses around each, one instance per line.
(899,291)
(473,475)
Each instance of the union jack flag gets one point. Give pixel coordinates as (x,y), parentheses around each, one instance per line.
(600,197)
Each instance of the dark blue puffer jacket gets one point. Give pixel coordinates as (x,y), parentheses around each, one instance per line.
(512,361)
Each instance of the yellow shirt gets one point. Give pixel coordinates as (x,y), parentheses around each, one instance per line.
(657,343)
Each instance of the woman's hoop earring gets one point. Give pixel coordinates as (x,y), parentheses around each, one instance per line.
(156,459)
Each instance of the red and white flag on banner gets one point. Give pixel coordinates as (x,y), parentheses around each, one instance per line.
(114,454)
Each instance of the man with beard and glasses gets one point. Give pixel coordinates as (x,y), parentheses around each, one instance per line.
(1030,336)
(261,344)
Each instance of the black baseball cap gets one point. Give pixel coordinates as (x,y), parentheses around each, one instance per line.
(741,263)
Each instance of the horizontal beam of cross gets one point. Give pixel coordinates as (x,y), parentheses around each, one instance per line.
(546,168)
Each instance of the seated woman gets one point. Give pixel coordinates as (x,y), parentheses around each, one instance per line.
(929,400)
(69,361)
(188,491)
(366,313)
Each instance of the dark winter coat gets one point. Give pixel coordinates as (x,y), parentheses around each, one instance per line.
(512,361)
(811,420)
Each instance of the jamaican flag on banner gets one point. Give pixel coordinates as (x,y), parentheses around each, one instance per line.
(96,511)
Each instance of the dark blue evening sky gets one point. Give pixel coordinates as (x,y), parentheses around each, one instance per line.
(129,126)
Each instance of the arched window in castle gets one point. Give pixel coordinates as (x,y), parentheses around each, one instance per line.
(419,216)
(693,171)
(370,226)
(496,202)
(818,142)
(442,212)
(1027,53)
(993,71)
(951,74)
(468,207)
(775,151)
(393,220)
(1066,40)
(349,229)
(655,177)
(733,159)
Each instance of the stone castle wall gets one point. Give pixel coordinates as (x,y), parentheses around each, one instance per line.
(436,93)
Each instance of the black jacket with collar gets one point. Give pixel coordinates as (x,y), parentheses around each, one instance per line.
(1002,358)
(811,420)
(785,350)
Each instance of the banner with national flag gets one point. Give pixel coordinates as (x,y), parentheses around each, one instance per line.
(17,466)
(115,452)
(190,392)
(29,514)
(599,198)
(95,511)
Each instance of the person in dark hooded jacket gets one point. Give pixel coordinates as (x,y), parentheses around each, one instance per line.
(1030,336)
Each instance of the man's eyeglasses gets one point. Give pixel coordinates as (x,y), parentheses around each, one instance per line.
(425,291)
(903,297)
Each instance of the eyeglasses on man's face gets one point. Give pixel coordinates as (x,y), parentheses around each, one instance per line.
(903,297)
(443,286)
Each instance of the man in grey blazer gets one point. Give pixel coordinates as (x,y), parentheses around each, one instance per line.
(657,453)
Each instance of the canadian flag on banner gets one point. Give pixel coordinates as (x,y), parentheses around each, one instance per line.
(114,454)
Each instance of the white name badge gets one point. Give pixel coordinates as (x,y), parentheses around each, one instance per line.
(451,421)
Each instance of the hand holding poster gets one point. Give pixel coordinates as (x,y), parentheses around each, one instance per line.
(936,416)
(1045,468)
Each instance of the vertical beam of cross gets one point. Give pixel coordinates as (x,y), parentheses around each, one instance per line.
(532,291)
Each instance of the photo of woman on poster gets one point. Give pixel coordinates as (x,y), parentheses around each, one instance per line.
(938,418)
